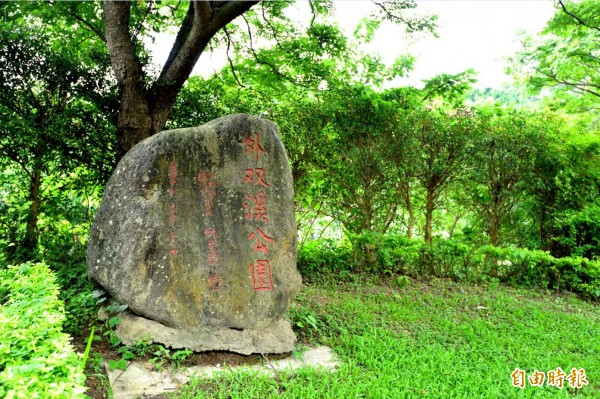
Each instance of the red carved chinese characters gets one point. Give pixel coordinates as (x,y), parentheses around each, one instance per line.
(255,176)
(173,243)
(172,177)
(258,245)
(173,235)
(172,213)
(261,275)
(214,259)
(208,186)
(253,147)
(256,211)
(208,190)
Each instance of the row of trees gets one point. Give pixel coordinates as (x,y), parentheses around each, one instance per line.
(415,162)
(406,162)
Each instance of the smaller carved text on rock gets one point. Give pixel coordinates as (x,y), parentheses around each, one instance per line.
(208,186)
(172,217)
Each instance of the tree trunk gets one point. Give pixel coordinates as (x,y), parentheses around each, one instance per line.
(494,227)
(144,109)
(410,210)
(429,208)
(134,124)
(494,230)
(31,232)
(455,222)
(543,232)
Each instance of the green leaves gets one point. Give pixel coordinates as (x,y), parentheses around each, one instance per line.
(113,321)
(565,56)
(365,30)
(120,364)
(451,88)
(36,358)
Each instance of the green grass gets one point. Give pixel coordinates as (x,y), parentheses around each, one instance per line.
(436,340)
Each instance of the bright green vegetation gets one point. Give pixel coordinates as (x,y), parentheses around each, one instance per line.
(430,340)
(400,184)
(392,255)
(36,358)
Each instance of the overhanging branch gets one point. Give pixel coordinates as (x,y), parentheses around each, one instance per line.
(202,22)
(575,17)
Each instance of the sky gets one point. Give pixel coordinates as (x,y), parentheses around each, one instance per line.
(477,34)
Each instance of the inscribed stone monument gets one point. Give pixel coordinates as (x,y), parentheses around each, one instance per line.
(196,233)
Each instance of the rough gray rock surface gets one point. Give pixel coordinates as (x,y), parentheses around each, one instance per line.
(196,228)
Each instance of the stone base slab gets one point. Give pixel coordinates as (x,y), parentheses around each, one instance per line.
(276,338)
(138,380)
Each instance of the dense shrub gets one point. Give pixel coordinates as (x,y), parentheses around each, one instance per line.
(36,358)
(320,258)
(378,254)
(385,254)
(578,233)
(450,259)
(539,268)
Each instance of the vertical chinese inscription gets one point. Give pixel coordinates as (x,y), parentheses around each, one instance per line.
(173,234)
(208,186)
(208,190)
(256,212)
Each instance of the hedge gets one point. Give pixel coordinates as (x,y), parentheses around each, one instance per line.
(377,254)
(36,358)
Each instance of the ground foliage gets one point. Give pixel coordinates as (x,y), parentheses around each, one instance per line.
(431,338)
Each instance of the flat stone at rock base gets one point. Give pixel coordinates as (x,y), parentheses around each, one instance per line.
(275,338)
(139,381)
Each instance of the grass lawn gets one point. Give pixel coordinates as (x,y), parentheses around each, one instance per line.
(430,340)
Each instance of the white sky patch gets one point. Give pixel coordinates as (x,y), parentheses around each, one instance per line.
(476,34)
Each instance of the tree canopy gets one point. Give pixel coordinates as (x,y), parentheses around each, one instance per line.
(565,57)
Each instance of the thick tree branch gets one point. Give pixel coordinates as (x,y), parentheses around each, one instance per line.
(201,23)
(182,35)
(125,63)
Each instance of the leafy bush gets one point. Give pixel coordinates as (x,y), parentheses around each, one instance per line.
(378,254)
(319,258)
(36,358)
(76,292)
(450,259)
(538,268)
(385,254)
(578,233)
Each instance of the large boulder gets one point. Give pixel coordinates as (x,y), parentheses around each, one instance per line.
(196,228)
